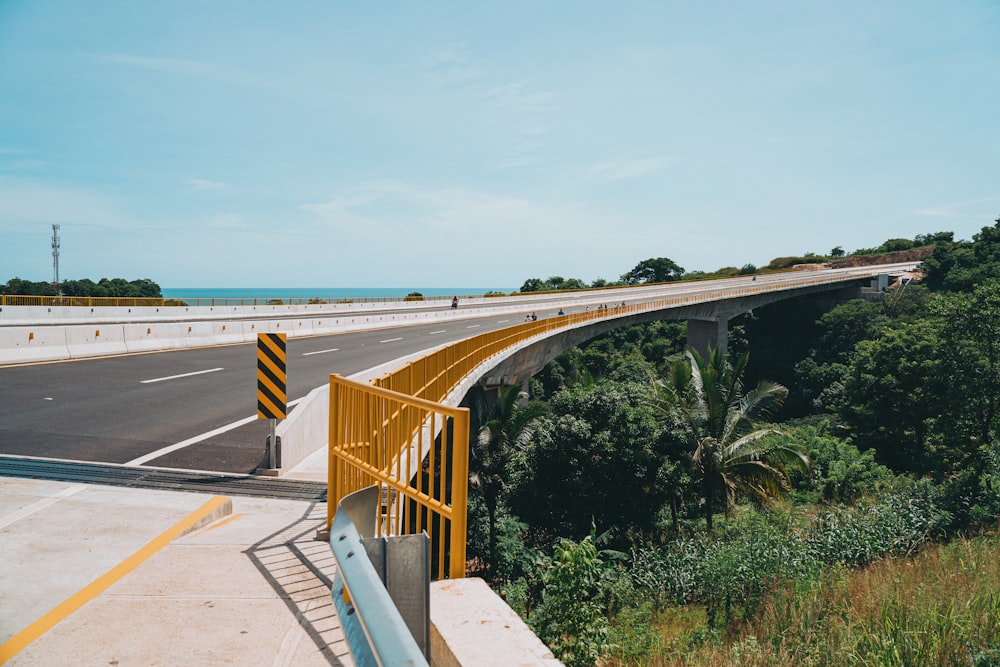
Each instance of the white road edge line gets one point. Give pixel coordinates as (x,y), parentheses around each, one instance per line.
(391,340)
(195,440)
(183,375)
(309,354)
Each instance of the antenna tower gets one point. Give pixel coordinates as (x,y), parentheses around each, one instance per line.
(55,258)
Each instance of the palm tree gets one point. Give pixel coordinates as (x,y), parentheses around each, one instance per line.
(705,399)
(509,429)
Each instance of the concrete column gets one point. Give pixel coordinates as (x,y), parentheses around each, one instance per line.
(702,333)
(491,392)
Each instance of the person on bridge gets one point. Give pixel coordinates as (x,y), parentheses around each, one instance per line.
(454,302)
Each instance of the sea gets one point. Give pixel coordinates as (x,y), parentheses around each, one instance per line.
(295,293)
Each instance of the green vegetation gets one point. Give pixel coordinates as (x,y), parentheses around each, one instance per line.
(658,508)
(730,457)
(114,287)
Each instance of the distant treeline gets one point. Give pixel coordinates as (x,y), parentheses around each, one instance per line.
(663,269)
(105,287)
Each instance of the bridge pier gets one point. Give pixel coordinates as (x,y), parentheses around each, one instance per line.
(704,333)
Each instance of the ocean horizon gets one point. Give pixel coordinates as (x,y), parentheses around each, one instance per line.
(322,292)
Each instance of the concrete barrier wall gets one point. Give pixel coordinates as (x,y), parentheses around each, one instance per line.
(13,315)
(496,632)
(28,344)
(95,340)
(64,341)
(306,429)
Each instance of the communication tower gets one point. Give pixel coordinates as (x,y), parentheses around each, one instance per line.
(55,258)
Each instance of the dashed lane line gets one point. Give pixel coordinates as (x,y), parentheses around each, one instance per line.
(309,354)
(182,375)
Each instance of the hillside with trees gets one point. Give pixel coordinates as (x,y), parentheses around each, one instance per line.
(825,493)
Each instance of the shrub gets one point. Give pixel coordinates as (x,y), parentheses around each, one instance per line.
(571,620)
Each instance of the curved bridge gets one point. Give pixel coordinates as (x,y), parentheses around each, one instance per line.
(403,434)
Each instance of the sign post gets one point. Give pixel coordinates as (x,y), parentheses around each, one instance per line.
(271,389)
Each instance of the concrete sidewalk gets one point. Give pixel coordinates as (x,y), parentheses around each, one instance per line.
(97,575)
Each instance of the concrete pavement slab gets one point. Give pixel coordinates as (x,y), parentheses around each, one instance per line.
(252,587)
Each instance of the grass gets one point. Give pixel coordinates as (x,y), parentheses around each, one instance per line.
(941,607)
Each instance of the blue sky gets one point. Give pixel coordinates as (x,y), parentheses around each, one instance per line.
(434,144)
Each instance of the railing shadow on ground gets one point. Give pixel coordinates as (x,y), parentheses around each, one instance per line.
(300,570)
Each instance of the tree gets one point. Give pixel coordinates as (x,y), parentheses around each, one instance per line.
(532,285)
(658,270)
(820,375)
(895,393)
(971,338)
(508,430)
(729,455)
(960,266)
(593,462)
(552,284)
(28,288)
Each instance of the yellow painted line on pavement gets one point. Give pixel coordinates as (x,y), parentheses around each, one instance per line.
(219,524)
(18,642)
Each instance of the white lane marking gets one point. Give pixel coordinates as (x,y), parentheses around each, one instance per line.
(502,321)
(473,326)
(437,332)
(391,340)
(196,439)
(39,505)
(307,354)
(184,375)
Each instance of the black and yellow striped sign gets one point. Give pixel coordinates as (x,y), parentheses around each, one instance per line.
(271,379)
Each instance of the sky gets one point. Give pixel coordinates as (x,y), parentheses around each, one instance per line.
(478,144)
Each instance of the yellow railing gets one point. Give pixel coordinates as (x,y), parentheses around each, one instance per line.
(395,432)
(416,451)
(87,301)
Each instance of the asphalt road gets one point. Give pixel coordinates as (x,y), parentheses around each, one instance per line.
(118,409)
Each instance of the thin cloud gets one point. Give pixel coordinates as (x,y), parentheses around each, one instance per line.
(451,65)
(621,170)
(30,202)
(180,67)
(937,213)
(227,221)
(378,206)
(202,184)
(520,98)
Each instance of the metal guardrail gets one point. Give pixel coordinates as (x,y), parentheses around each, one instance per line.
(376,631)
